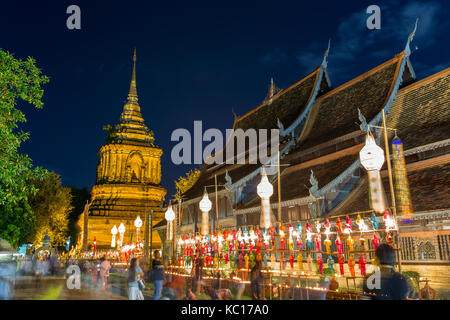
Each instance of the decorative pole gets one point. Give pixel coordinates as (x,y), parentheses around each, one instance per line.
(114,232)
(402,193)
(121,231)
(391,185)
(372,159)
(151,238)
(217,204)
(265,191)
(205,205)
(394,207)
(146,235)
(138,225)
(279,191)
(170,217)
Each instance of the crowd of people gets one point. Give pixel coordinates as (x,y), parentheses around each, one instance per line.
(393,285)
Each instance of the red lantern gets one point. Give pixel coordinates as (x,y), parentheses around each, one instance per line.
(375,241)
(362,264)
(339,245)
(339,225)
(341,262)
(318,240)
(258,246)
(320,263)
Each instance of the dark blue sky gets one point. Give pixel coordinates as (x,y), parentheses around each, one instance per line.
(197,60)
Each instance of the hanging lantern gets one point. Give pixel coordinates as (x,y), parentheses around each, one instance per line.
(361,224)
(113,240)
(265,191)
(372,159)
(170,216)
(121,232)
(205,205)
(402,194)
(371,155)
(389,221)
(138,225)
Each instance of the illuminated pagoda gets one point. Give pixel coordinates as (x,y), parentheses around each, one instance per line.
(128,176)
(322,130)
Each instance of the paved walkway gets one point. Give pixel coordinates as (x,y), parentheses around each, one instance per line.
(56,289)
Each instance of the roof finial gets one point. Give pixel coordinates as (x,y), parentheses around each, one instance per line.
(234,113)
(325,55)
(273,90)
(132,95)
(410,38)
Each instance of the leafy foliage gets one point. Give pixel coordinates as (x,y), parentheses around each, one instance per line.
(51,206)
(183,184)
(16,222)
(19,80)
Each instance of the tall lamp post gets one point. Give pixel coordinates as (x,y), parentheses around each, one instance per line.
(391,184)
(138,225)
(113,240)
(265,191)
(170,216)
(121,232)
(205,205)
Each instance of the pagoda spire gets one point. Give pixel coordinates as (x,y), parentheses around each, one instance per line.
(132,94)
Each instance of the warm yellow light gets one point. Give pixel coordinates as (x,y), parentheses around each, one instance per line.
(121,228)
(114,230)
(138,222)
(170,214)
(205,204)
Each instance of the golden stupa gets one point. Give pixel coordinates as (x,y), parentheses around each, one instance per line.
(128,178)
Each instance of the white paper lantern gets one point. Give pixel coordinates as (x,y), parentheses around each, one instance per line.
(371,155)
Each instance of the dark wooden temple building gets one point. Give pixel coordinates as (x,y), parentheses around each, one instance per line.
(322,129)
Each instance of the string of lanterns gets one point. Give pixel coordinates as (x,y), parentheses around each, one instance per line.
(252,244)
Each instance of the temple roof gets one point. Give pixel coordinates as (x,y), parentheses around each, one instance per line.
(336,112)
(421,111)
(285,105)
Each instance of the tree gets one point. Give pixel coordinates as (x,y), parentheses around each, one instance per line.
(51,206)
(19,81)
(17,222)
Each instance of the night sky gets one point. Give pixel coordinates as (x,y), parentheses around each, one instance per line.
(197,60)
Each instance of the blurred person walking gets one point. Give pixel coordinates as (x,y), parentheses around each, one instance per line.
(197,275)
(105,266)
(256,279)
(7,270)
(134,277)
(157,275)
